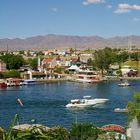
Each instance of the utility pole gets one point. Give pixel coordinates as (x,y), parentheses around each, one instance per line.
(129,47)
(7,48)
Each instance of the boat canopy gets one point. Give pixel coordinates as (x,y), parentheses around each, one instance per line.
(75,101)
(87,97)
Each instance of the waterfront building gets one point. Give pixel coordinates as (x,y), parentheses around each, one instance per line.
(73,68)
(125,70)
(113,70)
(48,63)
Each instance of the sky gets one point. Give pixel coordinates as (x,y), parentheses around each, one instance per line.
(105,18)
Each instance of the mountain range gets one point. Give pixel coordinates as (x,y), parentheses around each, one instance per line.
(53,41)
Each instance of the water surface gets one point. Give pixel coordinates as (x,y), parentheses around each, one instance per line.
(46,103)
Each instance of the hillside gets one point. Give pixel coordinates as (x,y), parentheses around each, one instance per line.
(52,41)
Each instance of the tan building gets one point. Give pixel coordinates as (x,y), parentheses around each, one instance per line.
(48,64)
(2,66)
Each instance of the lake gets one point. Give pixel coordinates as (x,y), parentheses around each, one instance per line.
(46,103)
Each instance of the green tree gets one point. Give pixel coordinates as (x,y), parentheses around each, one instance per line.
(40,53)
(12,61)
(122,57)
(11,74)
(90,62)
(33,63)
(134,108)
(58,69)
(134,56)
(103,58)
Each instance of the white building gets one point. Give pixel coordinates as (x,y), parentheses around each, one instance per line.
(126,69)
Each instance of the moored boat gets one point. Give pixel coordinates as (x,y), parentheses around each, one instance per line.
(124,83)
(29,82)
(87,76)
(14,82)
(120,110)
(3,83)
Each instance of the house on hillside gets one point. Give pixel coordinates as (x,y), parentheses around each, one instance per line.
(49,67)
(49,64)
(76,61)
(67,63)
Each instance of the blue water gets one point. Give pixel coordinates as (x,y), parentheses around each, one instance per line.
(46,103)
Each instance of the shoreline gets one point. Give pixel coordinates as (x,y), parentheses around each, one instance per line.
(51,80)
(123,78)
(66,79)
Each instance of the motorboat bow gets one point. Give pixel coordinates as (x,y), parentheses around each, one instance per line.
(86,102)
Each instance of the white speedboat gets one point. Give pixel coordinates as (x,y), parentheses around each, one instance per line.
(125,83)
(86,102)
(29,82)
(120,110)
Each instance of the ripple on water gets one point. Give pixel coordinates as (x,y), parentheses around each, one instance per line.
(46,103)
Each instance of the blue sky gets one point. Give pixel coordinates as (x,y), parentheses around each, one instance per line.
(105,18)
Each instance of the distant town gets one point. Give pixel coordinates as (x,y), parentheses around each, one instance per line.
(70,64)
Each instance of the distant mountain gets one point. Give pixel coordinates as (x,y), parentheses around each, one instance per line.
(53,41)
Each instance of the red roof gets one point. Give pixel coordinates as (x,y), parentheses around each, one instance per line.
(113,127)
(47,60)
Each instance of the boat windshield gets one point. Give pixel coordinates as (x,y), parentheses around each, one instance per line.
(87,97)
(76,101)
(82,101)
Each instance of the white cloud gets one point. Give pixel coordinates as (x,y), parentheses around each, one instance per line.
(125,8)
(109,6)
(88,2)
(135,19)
(136,7)
(54,9)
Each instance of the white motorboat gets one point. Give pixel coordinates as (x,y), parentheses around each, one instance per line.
(120,110)
(86,102)
(29,82)
(125,83)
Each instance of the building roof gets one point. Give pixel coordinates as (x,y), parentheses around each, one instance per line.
(74,67)
(47,60)
(113,127)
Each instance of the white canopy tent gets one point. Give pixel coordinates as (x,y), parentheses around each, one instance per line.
(73,68)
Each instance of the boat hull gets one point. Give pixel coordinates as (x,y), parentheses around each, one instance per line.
(87,80)
(86,103)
